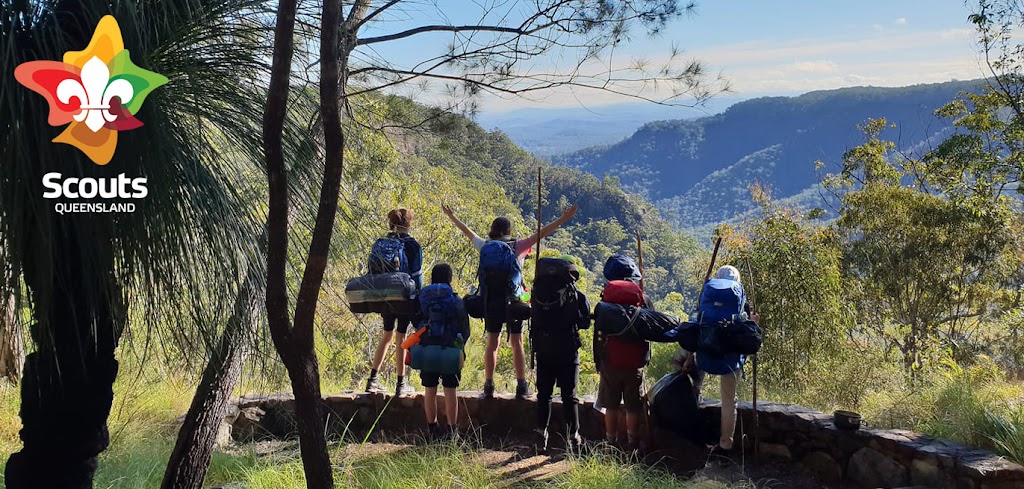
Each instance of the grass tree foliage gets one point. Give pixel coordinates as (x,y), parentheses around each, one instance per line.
(91,279)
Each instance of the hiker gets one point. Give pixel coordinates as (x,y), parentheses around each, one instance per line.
(620,362)
(501,260)
(721,298)
(440,349)
(559,311)
(398,245)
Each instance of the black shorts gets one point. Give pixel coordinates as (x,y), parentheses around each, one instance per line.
(448,381)
(402,322)
(494,322)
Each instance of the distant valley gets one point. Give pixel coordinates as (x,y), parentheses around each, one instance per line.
(698,170)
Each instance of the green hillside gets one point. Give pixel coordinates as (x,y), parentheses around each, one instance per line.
(699,170)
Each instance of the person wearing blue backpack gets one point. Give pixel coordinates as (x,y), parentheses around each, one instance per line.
(440,351)
(501,284)
(722,299)
(396,252)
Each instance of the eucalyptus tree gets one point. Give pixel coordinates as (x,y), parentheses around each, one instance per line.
(190,240)
(511,48)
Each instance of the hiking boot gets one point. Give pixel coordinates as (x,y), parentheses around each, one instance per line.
(374,385)
(522,389)
(434,432)
(488,391)
(404,389)
(574,443)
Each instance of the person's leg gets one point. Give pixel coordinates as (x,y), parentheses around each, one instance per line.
(491,355)
(728,382)
(430,403)
(515,329)
(632,380)
(378,355)
(545,388)
(518,354)
(567,381)
(610,397)
(401,386)
(451,405)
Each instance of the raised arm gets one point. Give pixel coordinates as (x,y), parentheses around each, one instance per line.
(550,228)
(459,224)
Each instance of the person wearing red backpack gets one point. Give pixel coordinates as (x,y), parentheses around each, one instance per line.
(620,361)
(498,301)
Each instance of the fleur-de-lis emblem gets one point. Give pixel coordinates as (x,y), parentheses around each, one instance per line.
(97,91)
(94,92)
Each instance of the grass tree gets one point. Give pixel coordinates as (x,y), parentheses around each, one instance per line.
(512,49)
(186,246)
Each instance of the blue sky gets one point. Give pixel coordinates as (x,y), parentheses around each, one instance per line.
(763,47)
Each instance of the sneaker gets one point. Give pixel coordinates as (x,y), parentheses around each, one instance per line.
(374,385)
(488,390)
(404,389)
(522,389)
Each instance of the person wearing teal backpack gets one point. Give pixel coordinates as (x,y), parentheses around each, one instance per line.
(440,352)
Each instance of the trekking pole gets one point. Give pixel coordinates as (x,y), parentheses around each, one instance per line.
(648,431)
(757,436)
(539,237)
(711,267)
(640,258)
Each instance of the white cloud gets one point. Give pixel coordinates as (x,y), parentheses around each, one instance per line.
(901,21)
(823,66)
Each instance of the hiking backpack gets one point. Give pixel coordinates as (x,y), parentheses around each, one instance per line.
(625,351)
(721,300)
(388,255)
(499,270)
(624,292)
(558,310)
(439,306)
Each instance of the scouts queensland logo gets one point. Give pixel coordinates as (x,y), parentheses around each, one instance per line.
(98,91)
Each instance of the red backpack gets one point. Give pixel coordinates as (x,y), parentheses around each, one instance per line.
(623,292)
(624,354)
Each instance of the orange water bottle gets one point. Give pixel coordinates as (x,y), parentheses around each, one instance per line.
(414,339)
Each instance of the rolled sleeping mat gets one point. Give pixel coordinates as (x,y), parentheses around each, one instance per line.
(631,323)
(436,358)
(384,293)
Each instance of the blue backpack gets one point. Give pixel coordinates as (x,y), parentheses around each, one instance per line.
(499,270)
(439,305)
(388,255)
(721,299)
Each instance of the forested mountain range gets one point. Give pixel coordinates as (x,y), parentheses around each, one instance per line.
(698,171)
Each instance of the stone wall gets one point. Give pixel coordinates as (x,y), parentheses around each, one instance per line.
(806,438)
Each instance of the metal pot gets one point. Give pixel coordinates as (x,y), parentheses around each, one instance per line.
(846,420)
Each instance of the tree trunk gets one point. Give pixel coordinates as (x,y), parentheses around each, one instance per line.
(12,357)
(67,385)
(193,450)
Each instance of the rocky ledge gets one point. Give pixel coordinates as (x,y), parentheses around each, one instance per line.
(806,438)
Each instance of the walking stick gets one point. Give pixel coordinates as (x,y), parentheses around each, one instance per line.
(711,267)
(648,432)
(536,260)
(757,435)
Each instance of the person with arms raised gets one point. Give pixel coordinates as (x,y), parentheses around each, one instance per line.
(501,284)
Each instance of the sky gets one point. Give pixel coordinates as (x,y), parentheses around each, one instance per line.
(781,47)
